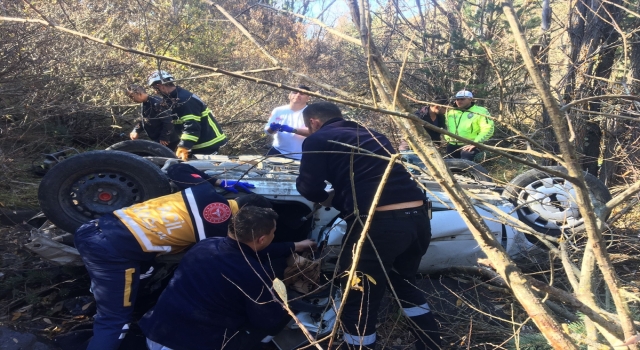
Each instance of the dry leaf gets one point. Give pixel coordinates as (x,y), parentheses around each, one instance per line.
(16,315)
(46,320)
(281,289)
(458,303)
(355,281)
(57,307)
(25,308)
(85,306)
(371,279)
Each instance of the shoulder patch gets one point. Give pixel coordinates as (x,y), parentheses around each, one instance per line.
(216,213)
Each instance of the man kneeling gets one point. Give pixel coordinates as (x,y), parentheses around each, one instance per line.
(220,294)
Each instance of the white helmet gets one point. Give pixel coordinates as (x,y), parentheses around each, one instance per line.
(159,76)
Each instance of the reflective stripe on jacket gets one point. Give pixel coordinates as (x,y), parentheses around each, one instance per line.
(473,123)
(171,223)
(200,129)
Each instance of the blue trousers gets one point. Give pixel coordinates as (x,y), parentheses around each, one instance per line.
(114,281)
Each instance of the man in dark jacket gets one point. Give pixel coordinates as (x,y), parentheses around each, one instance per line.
(155,119)
(221,296)
(201,133)
(400,231)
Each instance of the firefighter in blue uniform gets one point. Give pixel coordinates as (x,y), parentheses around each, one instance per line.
(220,294)
(114,246)
(201,133)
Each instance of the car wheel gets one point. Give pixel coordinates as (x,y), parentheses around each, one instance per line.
(91,184)
(547,203)
(467,168)
(143,148)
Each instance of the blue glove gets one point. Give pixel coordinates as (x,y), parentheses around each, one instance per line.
(286,128)
(275,126)
(234,186)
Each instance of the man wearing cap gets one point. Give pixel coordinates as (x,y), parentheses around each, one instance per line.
(470,121)
(287,126)
(201,133)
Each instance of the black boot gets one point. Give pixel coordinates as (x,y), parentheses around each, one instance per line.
(426,331)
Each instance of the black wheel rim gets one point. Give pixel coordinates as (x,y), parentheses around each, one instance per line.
(99,193)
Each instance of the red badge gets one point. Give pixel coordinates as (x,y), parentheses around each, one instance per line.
(216,213)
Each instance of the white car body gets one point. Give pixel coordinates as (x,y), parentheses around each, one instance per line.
(452,244)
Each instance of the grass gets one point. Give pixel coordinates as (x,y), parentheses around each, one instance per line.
(18,183)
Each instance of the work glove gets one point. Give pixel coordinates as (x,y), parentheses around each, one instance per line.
(231,186)
(182,153)
(274,126)
(286,128)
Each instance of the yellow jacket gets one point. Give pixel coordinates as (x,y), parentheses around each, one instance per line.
(472,123)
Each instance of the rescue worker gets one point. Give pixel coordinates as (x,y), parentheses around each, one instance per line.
(114,246)
(220,296)
(155,119)
(469,121)
(201,133)
(287,126)
(400,232)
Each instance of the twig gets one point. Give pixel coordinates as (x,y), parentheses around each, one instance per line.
(343,36)
(620,198)
(24,183)
(237,72)
(274,60)
(568,298)
(600,97)
(363,236)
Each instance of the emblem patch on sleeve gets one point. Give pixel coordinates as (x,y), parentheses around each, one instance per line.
(216,213)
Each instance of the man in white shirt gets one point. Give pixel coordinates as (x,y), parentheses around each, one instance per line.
(287,126)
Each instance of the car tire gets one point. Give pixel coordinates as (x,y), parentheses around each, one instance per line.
(467,168)
(91,184)
(143,148)
(544,202)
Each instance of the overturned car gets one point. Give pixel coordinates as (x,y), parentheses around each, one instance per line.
(89,185)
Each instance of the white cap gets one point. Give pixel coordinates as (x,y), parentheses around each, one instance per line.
(464,94)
